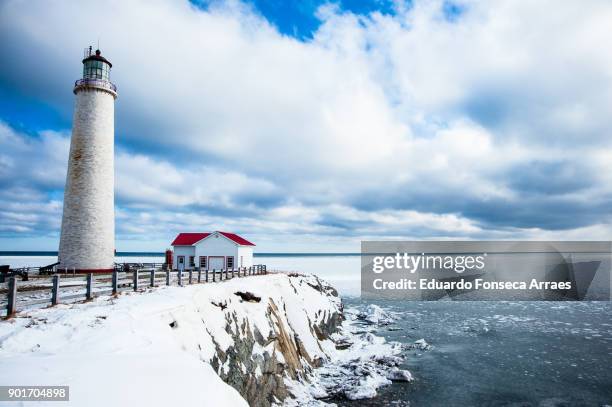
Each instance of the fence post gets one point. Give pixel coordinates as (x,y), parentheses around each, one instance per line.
(55,290)
(214,277)
(180,277)
(167,277)
(190,276)
(135,284)
(153,278)
(11,307)
(199,276)
(232,272)
(206,275)
(89,284)
(115,282)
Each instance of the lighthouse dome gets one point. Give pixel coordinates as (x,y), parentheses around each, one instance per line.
(95,66)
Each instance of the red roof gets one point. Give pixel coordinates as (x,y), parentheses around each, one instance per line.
(189,239)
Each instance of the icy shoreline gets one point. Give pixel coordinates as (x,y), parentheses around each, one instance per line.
(269,340)
(362,364)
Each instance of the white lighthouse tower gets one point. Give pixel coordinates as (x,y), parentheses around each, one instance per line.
(87,242)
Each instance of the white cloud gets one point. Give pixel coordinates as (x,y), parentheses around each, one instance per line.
(401,120)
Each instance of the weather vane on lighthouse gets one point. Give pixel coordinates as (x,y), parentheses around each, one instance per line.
(87,242)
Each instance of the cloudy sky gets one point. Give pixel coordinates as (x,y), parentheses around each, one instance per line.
(308,126)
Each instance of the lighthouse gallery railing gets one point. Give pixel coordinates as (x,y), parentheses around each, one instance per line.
(100,83)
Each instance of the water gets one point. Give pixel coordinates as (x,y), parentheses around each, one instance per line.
(485,353)
(502,353)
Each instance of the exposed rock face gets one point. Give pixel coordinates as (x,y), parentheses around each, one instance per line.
(294,340)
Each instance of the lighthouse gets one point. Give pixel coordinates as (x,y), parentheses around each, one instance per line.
(87,242)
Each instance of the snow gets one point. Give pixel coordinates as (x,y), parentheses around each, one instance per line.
(123,352)
(112,352)
(398,375)
(154,348)
(421,344)
(374,314)
(357,372)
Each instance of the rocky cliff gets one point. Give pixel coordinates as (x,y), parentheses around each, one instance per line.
(290,337)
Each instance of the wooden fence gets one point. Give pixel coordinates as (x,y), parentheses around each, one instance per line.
(51,290)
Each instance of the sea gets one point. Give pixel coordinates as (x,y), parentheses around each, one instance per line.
(484,353)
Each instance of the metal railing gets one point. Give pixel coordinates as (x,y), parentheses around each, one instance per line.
(98,83)
(40,291)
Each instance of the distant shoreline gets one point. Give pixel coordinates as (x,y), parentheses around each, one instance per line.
(161,254)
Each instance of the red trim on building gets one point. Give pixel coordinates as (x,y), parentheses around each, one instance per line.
(237,239)
(189,239)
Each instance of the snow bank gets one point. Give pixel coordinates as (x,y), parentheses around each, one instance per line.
(266,340)
(173,345)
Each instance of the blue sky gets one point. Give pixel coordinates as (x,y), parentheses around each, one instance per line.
(309,126)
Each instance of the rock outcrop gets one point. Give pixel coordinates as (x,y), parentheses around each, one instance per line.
(293,338)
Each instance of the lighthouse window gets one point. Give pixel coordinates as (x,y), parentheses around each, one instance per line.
(96,70)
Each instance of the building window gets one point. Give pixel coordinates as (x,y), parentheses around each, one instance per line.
(203,262)
(230,262)
(191,261)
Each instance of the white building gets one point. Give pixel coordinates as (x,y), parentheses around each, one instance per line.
(208,251)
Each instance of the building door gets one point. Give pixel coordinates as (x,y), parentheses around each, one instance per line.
(216,262)
(180,262)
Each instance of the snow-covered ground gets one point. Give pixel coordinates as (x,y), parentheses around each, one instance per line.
(114,352)
(156,348)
